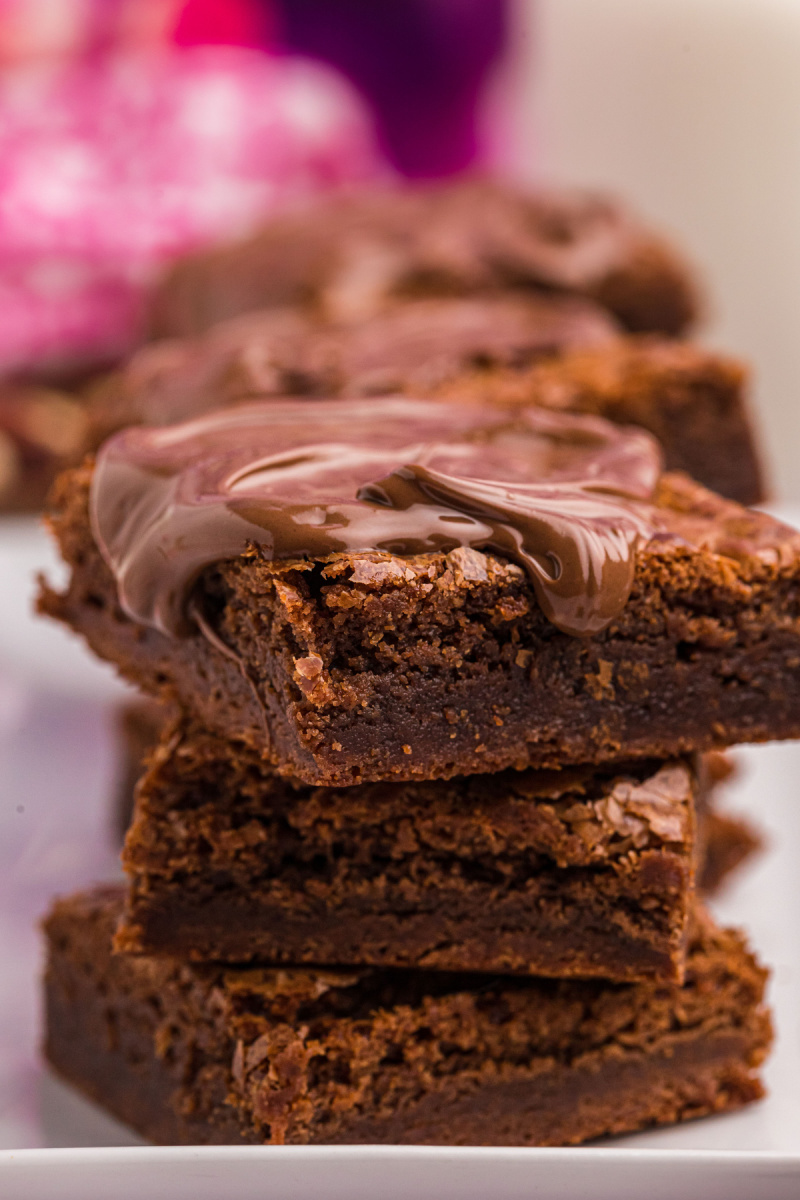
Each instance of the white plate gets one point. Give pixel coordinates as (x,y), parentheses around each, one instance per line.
(395,1173)
(42,653)
(56,775)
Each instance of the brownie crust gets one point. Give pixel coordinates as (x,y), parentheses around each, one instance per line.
(565,873)
(368,667)
(199,1054)
(723,841)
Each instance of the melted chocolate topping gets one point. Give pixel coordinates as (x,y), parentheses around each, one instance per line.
(565,497)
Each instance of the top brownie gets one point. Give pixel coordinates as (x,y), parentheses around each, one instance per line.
(421,590)
(350,256)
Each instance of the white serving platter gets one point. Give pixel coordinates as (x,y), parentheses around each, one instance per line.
(41,653)
(395,1173)
(56,782)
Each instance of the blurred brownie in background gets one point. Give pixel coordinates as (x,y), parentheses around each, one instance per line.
(42,429)
(695,402)
(729,840)
(417,344)
(138,726)
(350,257)
(724,840)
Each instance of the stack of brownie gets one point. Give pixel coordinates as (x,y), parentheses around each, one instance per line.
(415,857)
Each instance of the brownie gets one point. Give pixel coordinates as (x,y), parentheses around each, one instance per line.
(203,1054)
(355,666)
(138,725)
(350,257)
(417,343)
(560,352)
(692,400)
(729,840)
(577,872)
(724,840)
(42,430)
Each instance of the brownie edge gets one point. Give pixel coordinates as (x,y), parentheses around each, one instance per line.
(202,1055)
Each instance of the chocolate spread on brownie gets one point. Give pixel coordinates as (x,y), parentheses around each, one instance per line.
(565,497)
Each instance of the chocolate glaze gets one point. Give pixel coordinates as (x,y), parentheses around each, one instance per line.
(565,497)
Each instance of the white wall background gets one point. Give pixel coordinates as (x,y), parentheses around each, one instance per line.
(691,109)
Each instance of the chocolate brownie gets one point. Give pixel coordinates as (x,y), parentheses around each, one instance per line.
(441,624)
(560,352)
(199,1054)
(728,841)
(138,727)
(291,352)
(693,401)
(724,840)
(42,430)
(349,257)
(584,872)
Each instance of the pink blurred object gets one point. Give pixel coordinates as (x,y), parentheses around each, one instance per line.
(225,22)
(38,30)
(111,165)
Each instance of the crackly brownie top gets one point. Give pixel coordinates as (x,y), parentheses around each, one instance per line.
(565,497)
(289,352)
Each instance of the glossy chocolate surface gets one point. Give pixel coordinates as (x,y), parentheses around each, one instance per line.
(565,497)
